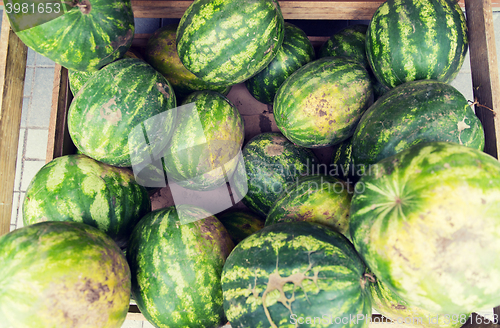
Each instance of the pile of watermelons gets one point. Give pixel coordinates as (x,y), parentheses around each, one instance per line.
(405,218)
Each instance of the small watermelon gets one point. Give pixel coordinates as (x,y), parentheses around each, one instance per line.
(320,104)
(62,274)
(226,42)
(295,273)
(206,142)
(317,198)
(295,52)
(176,256)
(124,105)
(78,188)
(240,224)
(411,40)
(272,161)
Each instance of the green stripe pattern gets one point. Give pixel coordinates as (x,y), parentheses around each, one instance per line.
(240,224)
(272,161)
(411,40)
(85,41)
(115,118)
(78,188)
(295,52)
(62,274)
(227,41)
(320,104)
(427,223)
(414,112)
(176,267)
(206,142)
(348,42)
(297,272)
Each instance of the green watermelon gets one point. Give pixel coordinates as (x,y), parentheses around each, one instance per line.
(272,161)
(62,274)
(414,112)
(227,41)
(118,110)
(341,165)
(391,306)
(295,52)
(78,188)
(296,273)
(317,198)
(206,142)
(427,223)
(161,53)
(411,40)
(240,224)
(320,104)
(81,35)
(176,255)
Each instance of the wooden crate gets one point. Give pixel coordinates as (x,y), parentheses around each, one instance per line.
(258,117)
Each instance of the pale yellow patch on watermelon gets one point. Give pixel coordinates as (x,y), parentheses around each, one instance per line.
(57,174)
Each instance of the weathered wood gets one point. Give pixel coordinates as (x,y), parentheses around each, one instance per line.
(13,54)
(484,68)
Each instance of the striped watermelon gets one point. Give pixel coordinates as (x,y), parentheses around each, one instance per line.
(80,35)
(414,112)
(427,224)
(317,198)
(295,52)
(320,103)
(240,224)
(341,162)
(206,142)
(161,53)
(348,42)
(227,41)
(108,118)
(78,188)
(272,161)
(62,274)
(296,273)
(411,40)
(176,255)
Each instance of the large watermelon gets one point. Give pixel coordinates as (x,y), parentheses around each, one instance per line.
(78,188)
(161,53)
(176,255)
(320,103)
(295,52)
(81,35)
(427,223)
(227,41)
(295,274)
(414,112)
(206,142)
(272,161)
(121,116)
(411,40)
(316,198)
(62,274)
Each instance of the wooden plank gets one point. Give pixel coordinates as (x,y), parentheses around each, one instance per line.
(13,54)
(484,67)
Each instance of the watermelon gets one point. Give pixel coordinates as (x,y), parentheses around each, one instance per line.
(240,224)
(317,198)
(272,161)
(414,112)
(295,273)
(81,35)
(295,52)
(78,188)
(62,274)
(161,53)
(341,162)
(176,255)
(320,104)
(391,306)
(226,42)
(411,40)
(427,223)
(121,116)
(206,142)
